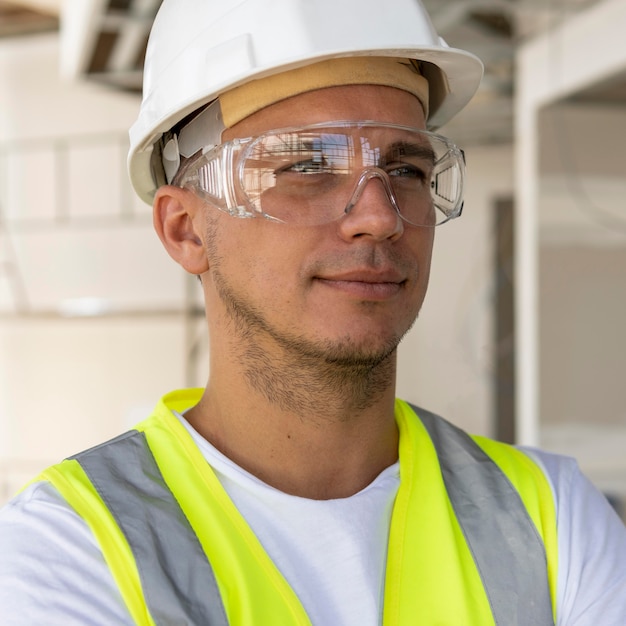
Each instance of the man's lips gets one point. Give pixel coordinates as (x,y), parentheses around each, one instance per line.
(368,285)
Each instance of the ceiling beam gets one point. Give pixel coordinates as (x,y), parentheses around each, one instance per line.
(50,7)
(16,20)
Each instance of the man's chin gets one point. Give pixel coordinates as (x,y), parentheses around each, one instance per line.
(348,352)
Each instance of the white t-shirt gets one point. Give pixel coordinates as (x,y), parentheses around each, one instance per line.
(332,552)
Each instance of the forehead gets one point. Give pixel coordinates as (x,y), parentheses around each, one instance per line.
(349,103)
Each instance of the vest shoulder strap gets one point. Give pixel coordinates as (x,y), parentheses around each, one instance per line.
(178,581)
(505,544)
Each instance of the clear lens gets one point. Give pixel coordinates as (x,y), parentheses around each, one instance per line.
(316,174)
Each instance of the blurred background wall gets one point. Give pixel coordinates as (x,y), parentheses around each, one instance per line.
(96,322)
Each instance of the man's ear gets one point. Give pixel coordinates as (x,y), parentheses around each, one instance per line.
(177,221)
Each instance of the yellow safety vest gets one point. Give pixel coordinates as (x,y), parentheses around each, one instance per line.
(472,538)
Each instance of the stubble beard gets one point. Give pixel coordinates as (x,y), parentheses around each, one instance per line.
(325,379)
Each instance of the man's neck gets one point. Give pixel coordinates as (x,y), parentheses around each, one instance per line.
(308,436)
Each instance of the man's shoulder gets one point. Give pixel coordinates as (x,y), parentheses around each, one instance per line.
(52,570)
(37,507)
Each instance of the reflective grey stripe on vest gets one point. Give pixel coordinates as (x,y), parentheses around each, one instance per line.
(178,582)
(508,551)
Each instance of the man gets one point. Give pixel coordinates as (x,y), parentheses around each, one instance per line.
(299,182)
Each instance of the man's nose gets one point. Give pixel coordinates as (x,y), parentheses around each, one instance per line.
(372,209)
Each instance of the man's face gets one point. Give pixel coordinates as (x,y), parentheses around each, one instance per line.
(345,291)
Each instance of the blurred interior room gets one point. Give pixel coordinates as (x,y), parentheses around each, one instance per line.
(522,335)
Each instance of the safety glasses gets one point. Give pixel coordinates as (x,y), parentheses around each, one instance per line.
(316,174)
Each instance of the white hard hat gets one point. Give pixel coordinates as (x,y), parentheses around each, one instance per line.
(199,49)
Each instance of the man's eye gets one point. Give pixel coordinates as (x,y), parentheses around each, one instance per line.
(406,170)
(311,166)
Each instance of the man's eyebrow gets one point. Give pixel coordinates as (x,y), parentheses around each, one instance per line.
(296,143)
(412,149)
